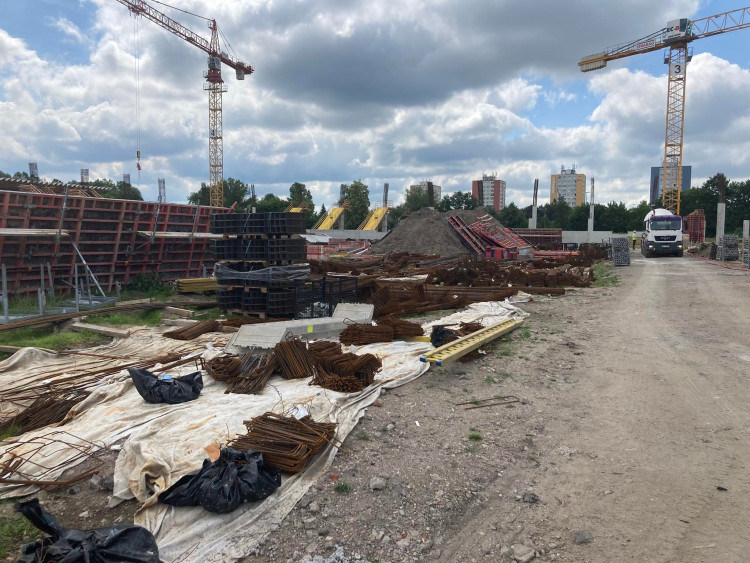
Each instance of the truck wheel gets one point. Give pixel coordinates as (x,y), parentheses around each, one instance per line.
(679,254)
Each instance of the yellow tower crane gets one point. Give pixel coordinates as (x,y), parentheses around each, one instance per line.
(676,36)
(214,85)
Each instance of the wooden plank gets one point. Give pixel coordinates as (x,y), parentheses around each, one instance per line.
(134,302)
(185,313)
(105,330)
(178,322)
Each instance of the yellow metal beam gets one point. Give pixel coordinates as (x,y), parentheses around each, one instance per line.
(458,348)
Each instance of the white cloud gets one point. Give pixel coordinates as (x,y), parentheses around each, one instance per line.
(383,91)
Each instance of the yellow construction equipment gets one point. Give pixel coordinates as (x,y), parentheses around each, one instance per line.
(676,36)
(329,221)
(458,348)
(373,220)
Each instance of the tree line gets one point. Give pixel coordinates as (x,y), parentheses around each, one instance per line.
(237,191)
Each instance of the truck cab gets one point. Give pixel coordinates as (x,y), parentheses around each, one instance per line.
(662,233)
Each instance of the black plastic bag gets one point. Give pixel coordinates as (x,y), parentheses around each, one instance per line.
(222,485)
(441,336)
(104,545)
(166,389)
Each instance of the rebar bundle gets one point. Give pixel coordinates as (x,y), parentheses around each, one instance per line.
(286,443)
(363,333)
(362,367)
(47,409)
(295,362)
(322,348)
(222,368)
(401,329)
(337,383)
(255,371)
(193,331)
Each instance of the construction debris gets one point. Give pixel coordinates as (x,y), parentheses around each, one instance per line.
(286,442)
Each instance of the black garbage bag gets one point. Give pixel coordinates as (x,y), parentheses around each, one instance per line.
(441,336)
(104,545)
(222,485)
(166,389)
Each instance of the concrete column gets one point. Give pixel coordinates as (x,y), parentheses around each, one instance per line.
(532,221)
(721,210)
(745,236)
(591,224)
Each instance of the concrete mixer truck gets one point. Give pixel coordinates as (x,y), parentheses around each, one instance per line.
(662,233)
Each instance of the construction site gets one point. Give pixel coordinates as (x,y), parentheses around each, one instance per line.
(198,383)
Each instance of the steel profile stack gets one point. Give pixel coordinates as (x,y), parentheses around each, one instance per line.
(620,251)
(257,262)
(728,248)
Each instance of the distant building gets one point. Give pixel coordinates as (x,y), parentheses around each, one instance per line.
(655,187)
(568,186)
(489,192)
(436,190)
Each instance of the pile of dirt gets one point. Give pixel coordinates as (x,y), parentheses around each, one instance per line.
(427,232)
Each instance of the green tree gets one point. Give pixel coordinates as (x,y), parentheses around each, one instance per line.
(416,199)
(579,218)
(637,214)
(300,195)
(234,191)
(463,200)
(270,203)
(21,176)
(511,216)
(358,196)
(4,175)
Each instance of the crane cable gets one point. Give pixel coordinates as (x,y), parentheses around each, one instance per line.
(137,97)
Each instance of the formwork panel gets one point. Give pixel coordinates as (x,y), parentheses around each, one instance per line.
(106,232)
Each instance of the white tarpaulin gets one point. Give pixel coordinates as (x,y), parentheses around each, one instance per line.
(164,442)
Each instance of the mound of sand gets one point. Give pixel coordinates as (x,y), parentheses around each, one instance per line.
(427,232)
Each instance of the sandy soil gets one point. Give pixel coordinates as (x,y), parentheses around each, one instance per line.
(632,434)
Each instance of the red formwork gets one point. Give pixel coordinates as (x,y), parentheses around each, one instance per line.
(695,225)
(106,232)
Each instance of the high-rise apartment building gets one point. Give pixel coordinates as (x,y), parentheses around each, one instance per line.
(568,186)
(436,190)
(657,179)
(489,192)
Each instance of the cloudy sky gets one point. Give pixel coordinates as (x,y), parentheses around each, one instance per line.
(380,90)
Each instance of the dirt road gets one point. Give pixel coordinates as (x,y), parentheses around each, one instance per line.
(636,410)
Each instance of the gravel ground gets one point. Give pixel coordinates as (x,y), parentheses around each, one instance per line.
(420,464)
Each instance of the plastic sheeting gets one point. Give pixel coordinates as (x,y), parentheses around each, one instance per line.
(165,442)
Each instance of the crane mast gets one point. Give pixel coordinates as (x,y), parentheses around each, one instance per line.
(214,85)
(675,36)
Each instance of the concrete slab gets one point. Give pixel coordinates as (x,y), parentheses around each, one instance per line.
(105,330)
(267,335)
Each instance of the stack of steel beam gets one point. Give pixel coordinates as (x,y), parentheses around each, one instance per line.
(620,251)
(728,248)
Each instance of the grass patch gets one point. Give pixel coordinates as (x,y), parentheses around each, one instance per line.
(343,488)
(465,390)
(364,436)
(524,333)
(474,448)
(12,430)
(12,531)
(211,314)
(491,379)
(475,437)
(505,349)
(53,340)
(148,317)
(604,275)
